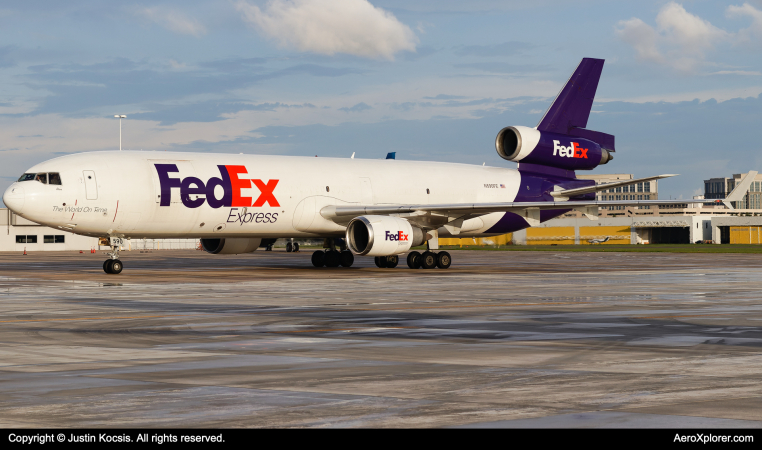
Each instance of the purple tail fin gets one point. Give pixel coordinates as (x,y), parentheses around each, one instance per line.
(570,110)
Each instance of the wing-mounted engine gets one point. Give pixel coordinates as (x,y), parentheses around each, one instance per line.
(529,145)
(230,246)
(382,235)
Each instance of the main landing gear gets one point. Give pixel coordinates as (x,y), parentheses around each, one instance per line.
(332,257)
(292,246)
(429,260)
(415,260)
(386,262)
(113,266)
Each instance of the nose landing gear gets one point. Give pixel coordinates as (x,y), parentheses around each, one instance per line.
(113,266)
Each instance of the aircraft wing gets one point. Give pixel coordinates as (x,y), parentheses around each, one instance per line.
(441,214)
(566,193)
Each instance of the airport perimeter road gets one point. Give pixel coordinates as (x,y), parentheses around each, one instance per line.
(516,339)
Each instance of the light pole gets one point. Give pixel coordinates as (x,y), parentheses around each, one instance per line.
(120,117)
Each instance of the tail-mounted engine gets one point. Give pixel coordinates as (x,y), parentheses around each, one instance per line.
(230,246)
(524,144)
(382,235)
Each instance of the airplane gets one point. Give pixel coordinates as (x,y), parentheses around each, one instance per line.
(382,208)
(598,241)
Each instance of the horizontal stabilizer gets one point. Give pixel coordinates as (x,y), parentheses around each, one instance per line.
(572,106)
(606,141)
(566,193)
(740,190)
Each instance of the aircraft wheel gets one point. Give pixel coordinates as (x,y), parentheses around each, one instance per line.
(428,260)
(443,260)
(116,267)
(318,258)
(414,260)
(296,246)
(347,258)
(332,258)
(107,265)
(289,247)
(380,261)
(392,261)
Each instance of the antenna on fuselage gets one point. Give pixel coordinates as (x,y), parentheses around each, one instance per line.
(120,117)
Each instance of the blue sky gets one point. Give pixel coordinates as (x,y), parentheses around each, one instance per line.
(431,80)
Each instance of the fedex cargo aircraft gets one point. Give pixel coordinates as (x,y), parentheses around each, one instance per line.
(381,208)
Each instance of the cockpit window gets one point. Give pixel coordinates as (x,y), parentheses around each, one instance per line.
(44,178)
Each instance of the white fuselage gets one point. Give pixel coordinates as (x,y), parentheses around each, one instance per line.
(119,194)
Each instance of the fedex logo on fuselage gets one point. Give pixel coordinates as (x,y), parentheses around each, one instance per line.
(572,151)
(398,236)
(230,180)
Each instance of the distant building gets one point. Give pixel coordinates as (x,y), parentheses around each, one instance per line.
(719,188)
(646,190)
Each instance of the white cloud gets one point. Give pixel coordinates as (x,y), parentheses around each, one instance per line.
(690,33)
(736,72)
(680,39)
(642,37)
(754,32)
(328,27)
(173,20)
(719,94)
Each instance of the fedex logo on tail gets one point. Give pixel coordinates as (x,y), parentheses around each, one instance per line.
(231,180)
(572,151)
(398,236)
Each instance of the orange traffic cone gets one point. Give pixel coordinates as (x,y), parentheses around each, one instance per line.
(24,251)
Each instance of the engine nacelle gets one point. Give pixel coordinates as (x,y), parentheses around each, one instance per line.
(230,246)
(524,144)
(382,235)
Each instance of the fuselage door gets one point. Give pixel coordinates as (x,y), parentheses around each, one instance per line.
(91,185)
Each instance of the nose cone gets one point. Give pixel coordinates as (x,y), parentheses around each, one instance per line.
(14,198)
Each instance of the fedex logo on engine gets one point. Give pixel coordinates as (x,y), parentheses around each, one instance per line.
(230,180)
(572,151)
(398,236)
